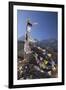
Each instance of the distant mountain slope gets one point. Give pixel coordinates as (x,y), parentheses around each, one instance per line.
(50,43)
(30,39)
(22,38)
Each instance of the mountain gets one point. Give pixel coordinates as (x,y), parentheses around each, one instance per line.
(50,43)
(22,38)
(30,39)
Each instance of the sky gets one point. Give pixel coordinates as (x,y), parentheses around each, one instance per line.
(47,27)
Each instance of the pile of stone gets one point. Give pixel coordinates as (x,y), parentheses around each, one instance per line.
(39,65)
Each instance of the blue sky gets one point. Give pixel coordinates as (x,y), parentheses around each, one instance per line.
(46,28)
